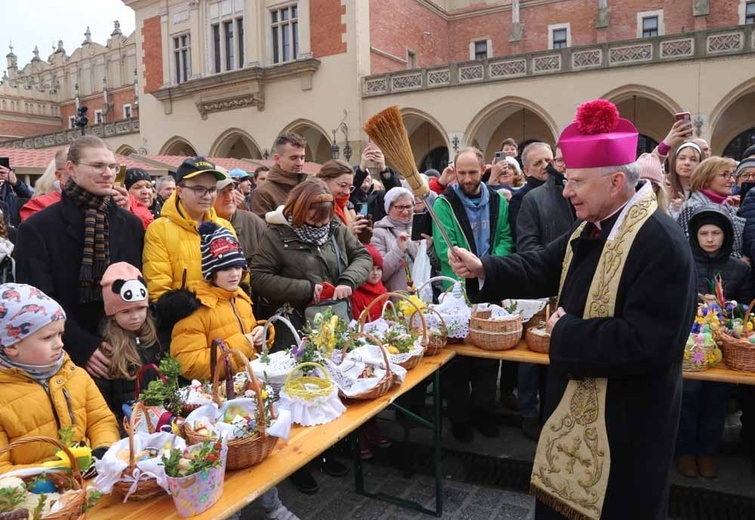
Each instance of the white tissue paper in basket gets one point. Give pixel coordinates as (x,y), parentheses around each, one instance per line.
(212,414)
(346,375)
(320,410)
(110,467)
(527,308)
(456,314)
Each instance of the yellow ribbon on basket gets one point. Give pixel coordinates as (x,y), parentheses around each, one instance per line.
(573,458)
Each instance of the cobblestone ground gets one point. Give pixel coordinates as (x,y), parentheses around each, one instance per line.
(337,500)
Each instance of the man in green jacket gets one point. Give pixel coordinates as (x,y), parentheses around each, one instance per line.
(474,217)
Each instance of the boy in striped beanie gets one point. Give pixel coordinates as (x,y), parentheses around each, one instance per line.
(220,250)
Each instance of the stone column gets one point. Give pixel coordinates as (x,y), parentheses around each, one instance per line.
(602,21)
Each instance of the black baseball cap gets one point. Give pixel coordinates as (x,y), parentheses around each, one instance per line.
(194,166)
(134,175)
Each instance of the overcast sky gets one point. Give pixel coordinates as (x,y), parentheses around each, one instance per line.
(43,22)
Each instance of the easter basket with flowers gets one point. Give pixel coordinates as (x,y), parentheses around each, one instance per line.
(47,495)
(405,344)
(738,341)
(244,421)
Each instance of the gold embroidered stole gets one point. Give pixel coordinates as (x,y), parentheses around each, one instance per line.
(573,459)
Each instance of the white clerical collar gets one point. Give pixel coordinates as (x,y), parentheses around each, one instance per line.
(624,208)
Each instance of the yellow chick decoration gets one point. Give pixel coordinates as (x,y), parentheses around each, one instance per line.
(82,454)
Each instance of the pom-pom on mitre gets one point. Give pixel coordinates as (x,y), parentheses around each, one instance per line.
(599,116)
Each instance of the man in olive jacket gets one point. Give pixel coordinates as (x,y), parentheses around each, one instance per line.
(287,172)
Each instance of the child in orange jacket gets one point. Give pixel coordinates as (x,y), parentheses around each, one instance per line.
(43,391)
(225,310)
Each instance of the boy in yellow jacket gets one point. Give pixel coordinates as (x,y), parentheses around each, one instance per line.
(42,390)
(225,310)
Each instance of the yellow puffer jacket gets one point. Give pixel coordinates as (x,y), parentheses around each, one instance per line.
(172,257)
(222,314)
(27,409)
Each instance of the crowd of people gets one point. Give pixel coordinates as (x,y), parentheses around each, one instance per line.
(116,277)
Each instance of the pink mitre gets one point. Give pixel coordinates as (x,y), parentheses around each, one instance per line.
(598,137)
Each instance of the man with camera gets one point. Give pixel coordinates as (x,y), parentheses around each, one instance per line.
(366,199)
(13,194)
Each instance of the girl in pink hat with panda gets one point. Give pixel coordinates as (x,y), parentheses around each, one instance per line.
(128,331)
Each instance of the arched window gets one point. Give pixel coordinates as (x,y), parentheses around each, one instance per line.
(739,144)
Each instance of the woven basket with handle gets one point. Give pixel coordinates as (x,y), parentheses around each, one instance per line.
(539,342)
(739,353)
(249,451)
(388,378)
(414,360)
(490,334)
(146,487)
(63,481)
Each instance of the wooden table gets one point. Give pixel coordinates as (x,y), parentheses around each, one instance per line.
(244,486)
(522,354)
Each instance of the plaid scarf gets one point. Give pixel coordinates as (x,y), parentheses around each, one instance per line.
(311,234)
(96,254)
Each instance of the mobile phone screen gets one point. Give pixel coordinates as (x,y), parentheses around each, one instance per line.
(362,208)
(5,161)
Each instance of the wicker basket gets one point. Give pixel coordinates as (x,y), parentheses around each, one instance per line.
(538,342)
(689,366)
(63,481)
(249,451)
(385,383)
(739,353)
(145,488)
(414,360)
(489,334)
(308,388)
(435,342)
(444,279)
(276,383)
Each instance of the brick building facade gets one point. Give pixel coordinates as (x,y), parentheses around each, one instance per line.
(38,102)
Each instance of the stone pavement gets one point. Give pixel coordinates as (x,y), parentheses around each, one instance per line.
(337,500)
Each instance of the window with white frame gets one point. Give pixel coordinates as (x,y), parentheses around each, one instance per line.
(479,50)
(226,35)
(126,111)
(650,24)
(559,36)
(284,26)
(182,58)
(750,13)
(71,121)
(98,117)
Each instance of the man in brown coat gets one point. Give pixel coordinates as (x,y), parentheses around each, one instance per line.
(286,173)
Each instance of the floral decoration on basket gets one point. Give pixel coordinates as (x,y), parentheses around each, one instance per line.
(312,400)
(48,494)
(246,423)
(195,476)
(165,393)
(325,339)
(405,345)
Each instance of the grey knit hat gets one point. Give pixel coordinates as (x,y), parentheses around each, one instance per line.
(220,249)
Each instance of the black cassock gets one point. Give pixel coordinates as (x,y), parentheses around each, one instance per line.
(639,350)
